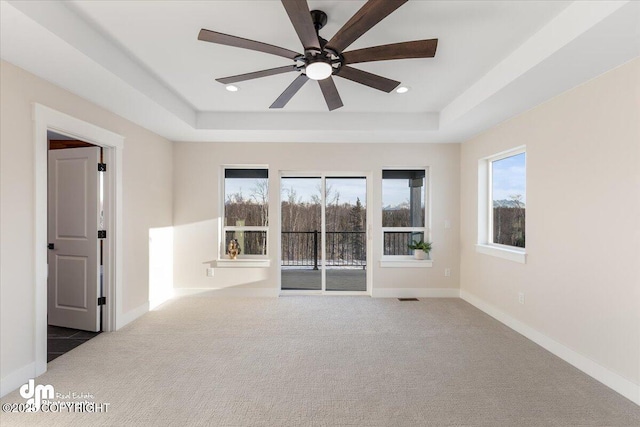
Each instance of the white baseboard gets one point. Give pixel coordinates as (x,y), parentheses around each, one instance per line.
(131,315)
(226,292)
(274,293)
(416,293)
(612,380)
(17,378)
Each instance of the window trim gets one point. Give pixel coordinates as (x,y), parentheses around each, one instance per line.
(503,251)
(222,250)
(403,260)
(485,244)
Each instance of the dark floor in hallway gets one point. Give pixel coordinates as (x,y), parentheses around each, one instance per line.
(61,340)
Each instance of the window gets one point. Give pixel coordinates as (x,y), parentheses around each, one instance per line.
(508,200)
(502,204)
(404,216)
(246,210)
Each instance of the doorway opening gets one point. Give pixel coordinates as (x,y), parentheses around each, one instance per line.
(76,242)
(324,246)
(45,120)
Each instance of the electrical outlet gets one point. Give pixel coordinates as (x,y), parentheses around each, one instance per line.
(210,272)
(447,272)
(521,297)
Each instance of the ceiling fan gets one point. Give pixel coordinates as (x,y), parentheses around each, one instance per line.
(323,59)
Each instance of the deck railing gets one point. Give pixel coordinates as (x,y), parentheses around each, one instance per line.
(304,248)
(397,242)
(343,248)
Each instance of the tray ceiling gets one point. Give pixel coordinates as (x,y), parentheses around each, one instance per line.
(495,59)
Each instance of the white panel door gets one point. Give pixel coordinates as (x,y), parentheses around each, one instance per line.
(73,198)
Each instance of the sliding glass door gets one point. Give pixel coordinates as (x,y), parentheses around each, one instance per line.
(301,225)
(323,239)
(345,235)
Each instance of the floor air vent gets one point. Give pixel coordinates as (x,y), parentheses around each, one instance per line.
(408,299)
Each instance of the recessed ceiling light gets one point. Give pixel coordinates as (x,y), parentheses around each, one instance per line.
(402,89)
(232,88)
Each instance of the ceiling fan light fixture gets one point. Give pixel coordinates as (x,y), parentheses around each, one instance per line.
(232,88)
(318,70)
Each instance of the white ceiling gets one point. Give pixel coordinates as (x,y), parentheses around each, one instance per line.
(142,60)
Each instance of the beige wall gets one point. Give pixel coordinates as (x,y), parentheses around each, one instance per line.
(197,172)
(582,276)
(147,203)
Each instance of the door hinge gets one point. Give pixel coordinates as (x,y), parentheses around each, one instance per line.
(102,300)
(102,234)
(102,167)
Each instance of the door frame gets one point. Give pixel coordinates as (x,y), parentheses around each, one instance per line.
(46,119)
(369,234)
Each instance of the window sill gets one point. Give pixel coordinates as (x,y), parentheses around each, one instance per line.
(408,262)
(243,263)
(514,255)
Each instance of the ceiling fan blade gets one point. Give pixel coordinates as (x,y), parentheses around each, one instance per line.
(366,18)
(226,39)
(257,74)
(300,16)
(288,93)
(330,92)
(406,50)
(368,79)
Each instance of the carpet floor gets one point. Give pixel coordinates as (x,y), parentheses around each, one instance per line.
(323,361)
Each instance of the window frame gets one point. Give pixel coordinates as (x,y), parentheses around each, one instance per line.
(387,260)
(222,254)
(485,243)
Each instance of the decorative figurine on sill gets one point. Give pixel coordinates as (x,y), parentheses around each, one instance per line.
(234,249)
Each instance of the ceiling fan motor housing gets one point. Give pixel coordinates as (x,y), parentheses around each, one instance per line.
(314,56)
